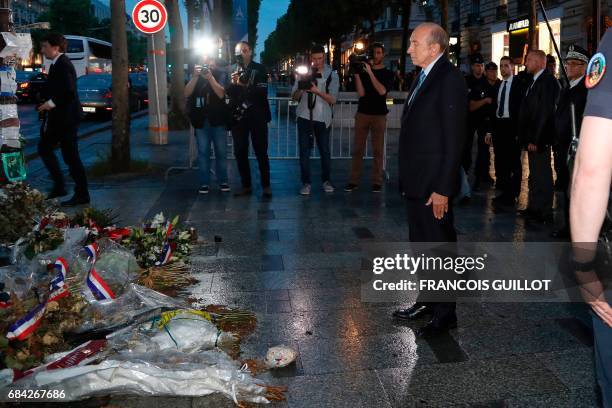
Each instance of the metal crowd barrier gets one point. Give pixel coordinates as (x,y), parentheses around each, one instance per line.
(283,136)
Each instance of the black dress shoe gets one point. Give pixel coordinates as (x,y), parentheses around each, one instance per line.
(75,200)
(414,312)
(267,192)
(244,192)
(56,193)
(437,326)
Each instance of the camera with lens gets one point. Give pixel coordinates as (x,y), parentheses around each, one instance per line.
(244,76)
(307,79)
(203,69)
(357,63)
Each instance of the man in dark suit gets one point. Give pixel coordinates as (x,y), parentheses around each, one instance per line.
(430,151)
(508,168)
(575,63)
(63,110)
(537,132)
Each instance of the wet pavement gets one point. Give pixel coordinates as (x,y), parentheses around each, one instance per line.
(295,261)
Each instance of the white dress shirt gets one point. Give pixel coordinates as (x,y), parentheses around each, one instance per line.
(576,81)
(506,101)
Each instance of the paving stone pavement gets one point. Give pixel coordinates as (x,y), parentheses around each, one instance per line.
(295,261)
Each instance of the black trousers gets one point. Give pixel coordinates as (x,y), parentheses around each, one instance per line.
(508,166)
(540,182)
(466,161)
(257,128)
(483,157)
(66,137)
(563,177)
(424,227)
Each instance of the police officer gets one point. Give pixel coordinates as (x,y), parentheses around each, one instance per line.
(478,103)
(575,62)
(251,112)
(590,195)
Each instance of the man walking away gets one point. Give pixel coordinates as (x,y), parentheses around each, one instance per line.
(63,110)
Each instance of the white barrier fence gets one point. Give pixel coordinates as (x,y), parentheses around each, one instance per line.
(283,135)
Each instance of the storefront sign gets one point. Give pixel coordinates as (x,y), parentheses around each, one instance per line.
(515,25)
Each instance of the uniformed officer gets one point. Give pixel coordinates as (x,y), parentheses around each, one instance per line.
(590,195)
(478,102)
(575,92)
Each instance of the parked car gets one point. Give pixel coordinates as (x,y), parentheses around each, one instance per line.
(30,86)
(95,93)
(140,86)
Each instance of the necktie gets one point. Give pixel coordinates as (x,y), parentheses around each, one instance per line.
(416,88)
(502,102)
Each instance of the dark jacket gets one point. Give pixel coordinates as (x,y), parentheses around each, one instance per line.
(517,92)
(432,134)
(61,89)
(256,93)
(537,112)
(563,123)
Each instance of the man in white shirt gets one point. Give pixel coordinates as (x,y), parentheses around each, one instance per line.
(314,114)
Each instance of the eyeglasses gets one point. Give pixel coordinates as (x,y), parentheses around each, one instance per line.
(574,63)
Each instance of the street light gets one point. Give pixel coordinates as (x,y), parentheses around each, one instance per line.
(359,46)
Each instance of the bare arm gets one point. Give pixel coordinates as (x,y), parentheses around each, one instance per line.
(190,87)
(475,105)
(359,86)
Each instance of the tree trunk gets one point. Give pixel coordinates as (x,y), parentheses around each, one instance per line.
(120,150)
(533,24)
(190,6)
(177,118)
(444,14)
(406,10)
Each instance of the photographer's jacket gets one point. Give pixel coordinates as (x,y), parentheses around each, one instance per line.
(256,93)
(322,111)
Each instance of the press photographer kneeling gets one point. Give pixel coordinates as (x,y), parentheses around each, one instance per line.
(316,89)
(205,94)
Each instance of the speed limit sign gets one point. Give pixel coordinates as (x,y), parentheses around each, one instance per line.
(149,16)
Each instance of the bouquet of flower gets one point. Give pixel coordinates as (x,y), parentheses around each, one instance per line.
(159,242)
(20,205)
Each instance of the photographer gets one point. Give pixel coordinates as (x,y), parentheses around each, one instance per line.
(316,91)
(373,80)
(248,95)
(205,94)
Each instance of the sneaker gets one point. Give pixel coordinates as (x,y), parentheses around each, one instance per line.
(203,190)
(267,192)
(328,187)
(350,187)
(376,188)
(224,187)
(305,190)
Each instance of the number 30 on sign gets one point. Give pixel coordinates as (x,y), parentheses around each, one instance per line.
(149,16)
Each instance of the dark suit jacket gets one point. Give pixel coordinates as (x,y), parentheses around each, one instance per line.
(563,123)
(432,134)
(537,112)
(517,92)
(61,89)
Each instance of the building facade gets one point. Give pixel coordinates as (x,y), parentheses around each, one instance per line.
(27,12)
(100,10)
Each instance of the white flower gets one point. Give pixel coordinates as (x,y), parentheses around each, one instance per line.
(158,220)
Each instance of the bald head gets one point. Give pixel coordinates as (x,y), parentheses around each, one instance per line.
(427,42)
(536,61)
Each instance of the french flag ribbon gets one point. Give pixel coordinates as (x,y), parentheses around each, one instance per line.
(92,252)
(166,254)
(58,288)
(98,287)
(25,326)
(169,229)
(4,305)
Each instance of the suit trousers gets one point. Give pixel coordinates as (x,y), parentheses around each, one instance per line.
(424,227)
(364,124)
(68,142)
(563,177)
(257,128)
(508,166)
(540,181)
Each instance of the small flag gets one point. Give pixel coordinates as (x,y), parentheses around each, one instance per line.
(92,252)
(58,288)
(25,326)
(166,254)
(98,287)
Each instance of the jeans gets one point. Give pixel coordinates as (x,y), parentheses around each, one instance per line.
(217,136)
(321,133)
(603,359)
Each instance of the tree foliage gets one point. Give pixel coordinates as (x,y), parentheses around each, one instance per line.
(71,16)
